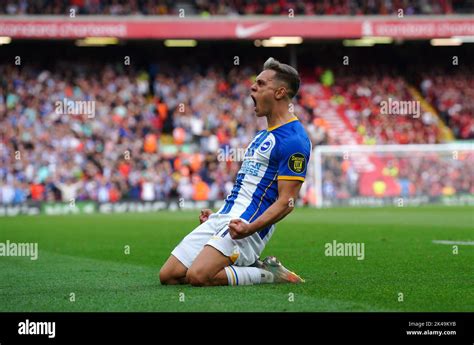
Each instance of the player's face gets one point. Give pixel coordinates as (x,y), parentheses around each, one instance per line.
(263,93)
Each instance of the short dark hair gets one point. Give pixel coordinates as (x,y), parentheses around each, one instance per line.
(285,73)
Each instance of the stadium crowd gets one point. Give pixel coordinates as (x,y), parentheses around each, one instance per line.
(47,154)
(171,134)
(403,175)
(453,95)
(386,126)
(234,7)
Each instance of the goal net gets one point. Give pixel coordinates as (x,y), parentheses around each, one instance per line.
(399,175)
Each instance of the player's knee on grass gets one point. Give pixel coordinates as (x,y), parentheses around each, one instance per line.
(172,273)
(167,278)
(198,277)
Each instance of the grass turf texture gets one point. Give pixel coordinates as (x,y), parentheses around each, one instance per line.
(84,255)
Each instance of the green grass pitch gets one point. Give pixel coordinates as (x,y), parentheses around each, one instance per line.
(85,255)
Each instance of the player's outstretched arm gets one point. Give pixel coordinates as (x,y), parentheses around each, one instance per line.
(287,194)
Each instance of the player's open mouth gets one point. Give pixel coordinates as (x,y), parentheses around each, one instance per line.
(254,101)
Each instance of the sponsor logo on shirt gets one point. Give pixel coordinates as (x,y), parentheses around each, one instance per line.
(251,168)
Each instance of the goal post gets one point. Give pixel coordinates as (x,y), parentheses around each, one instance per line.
(400,175)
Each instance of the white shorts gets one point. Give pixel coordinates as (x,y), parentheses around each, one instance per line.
(214,232)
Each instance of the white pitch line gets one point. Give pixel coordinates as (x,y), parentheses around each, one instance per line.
(454,242)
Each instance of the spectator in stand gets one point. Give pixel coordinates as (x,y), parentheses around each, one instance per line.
(7,193)
(69,189)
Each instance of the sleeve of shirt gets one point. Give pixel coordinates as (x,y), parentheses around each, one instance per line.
(293,160)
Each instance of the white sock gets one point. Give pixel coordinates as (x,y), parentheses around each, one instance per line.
(247,275)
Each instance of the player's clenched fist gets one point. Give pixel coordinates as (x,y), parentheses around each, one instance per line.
(205,213)
(239,229)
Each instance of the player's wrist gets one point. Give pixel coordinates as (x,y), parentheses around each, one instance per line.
(253,227)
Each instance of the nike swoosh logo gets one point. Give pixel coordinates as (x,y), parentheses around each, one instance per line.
(243,32)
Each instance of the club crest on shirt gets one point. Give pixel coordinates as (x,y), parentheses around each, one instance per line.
(297,163)
(267,145)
